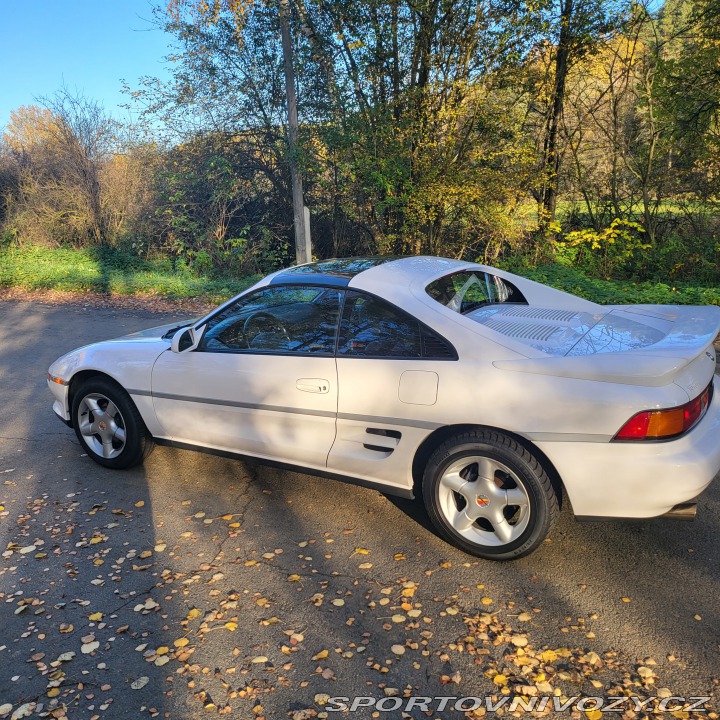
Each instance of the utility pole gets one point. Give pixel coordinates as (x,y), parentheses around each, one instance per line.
(302,232)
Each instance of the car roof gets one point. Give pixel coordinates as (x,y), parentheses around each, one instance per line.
(334,272)
(339,272)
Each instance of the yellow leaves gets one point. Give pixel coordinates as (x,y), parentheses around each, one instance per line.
(194,613)
(96,539)
(269,621)
(626,599)
(548,656)
(139,503)
(181,642)
(399,556)
(250,563)
(593,714)
(293,578)
(361,551)
(408,592)
(95,616)
(66,628)
(338,602)
(234,525)
(321,655)
(486,601)
(227,517)
(53,692)
(162,650)
(145,554)
(231,626)
(500,680)
(524,617)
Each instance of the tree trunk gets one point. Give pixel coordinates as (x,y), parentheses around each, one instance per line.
(295,177)
(548,200)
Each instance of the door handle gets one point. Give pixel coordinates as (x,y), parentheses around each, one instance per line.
(313,385)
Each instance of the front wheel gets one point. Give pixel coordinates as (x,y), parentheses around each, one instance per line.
(108,424)
(489,496)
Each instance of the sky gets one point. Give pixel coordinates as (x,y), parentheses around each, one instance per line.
(88,46)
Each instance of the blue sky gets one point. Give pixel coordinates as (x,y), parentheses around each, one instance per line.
(88,45)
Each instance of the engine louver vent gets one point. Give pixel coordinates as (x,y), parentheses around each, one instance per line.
(538,313)
(527,331)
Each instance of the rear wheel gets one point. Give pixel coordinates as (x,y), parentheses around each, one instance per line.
(108,424)
(488,495)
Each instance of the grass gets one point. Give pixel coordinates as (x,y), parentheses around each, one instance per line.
(115,272)
(620,292)
(110,271)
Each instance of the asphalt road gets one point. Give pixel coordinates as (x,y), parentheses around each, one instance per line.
(196,585)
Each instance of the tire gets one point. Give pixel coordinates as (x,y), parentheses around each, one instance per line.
(489,496)
(117,439)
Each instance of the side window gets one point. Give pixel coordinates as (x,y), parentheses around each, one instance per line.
(282,319)
(466,291)
(373,328)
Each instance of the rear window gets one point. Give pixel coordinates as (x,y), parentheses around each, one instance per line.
(468,290)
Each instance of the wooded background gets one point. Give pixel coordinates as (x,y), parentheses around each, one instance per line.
(511,132)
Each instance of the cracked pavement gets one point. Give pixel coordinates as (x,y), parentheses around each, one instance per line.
(202,585)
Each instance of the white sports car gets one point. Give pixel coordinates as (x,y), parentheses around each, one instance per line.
(486,393)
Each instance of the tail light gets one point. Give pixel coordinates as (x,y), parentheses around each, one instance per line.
(666,424)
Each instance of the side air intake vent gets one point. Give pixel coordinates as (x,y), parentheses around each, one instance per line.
(388,446)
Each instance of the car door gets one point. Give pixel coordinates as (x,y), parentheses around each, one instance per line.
(261,382)
(390,391)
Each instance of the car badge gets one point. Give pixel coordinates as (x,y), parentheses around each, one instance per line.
(482,501)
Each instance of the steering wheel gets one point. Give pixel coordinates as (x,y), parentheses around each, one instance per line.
(262,322)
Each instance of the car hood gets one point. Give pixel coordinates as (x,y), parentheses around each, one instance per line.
(160,331)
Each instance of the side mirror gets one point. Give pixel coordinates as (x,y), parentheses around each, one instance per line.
(187,338)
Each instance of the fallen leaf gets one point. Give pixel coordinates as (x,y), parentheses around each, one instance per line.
(181,642)
(87,648)
(232,626)
(398,649)
(95,616)
(321,655)
(141,682)
(139,503)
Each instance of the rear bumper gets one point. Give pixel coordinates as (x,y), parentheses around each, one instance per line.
(639,480)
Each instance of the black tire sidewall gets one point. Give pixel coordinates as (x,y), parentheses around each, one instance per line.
(135,432)
(540,515)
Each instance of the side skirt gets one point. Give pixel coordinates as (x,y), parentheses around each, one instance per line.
(380,487)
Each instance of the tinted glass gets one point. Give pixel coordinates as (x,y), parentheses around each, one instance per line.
(284,319)
(373,328)
(465,291)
